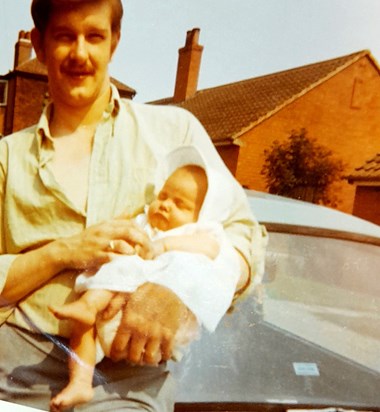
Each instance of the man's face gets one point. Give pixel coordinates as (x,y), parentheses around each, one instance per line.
(76,48)
(179,201)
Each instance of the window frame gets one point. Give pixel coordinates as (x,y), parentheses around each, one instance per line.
(4,95)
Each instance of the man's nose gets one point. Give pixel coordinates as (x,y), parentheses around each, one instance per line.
(79,49)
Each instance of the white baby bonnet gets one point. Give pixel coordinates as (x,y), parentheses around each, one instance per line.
(220,196)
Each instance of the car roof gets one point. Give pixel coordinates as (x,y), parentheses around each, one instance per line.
(273,209)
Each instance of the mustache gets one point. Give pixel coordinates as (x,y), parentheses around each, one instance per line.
(72,67)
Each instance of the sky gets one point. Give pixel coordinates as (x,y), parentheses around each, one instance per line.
(241,38)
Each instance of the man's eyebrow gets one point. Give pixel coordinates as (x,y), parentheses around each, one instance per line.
(97,29)
(60,27)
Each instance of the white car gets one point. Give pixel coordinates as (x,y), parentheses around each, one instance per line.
(309,336)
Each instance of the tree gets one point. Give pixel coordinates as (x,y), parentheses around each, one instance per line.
(301,168)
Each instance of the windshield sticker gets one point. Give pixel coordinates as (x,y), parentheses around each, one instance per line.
(305,369)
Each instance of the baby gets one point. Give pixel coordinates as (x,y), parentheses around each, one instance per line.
(184,245)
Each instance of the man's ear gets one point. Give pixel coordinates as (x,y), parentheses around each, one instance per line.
(38,45)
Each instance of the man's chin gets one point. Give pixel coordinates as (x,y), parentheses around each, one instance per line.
(79,97)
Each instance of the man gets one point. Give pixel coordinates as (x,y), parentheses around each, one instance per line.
(63,183)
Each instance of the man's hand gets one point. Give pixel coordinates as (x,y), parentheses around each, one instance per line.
(148,327)
(100,243)
(94,246)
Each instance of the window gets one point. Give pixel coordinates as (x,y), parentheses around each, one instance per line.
(3,92)
(357,95)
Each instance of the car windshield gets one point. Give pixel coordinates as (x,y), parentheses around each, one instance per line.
(325,293)
(308,335)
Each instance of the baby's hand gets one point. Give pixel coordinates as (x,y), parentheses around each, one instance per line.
(155,249)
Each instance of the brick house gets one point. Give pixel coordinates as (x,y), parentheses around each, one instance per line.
(24,90)
(337,101)
(366,180)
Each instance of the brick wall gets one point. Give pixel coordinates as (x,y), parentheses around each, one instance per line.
(367,201)
(29,101)
(342,113)
(229,154)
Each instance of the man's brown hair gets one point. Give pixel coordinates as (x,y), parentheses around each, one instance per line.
(42,11)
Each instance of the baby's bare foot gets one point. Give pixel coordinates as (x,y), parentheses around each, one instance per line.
(70,396)
(77,310)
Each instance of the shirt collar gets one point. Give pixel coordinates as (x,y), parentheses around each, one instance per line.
(113,107)
(43,134)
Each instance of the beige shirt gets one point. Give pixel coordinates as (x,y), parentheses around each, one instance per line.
(127,145)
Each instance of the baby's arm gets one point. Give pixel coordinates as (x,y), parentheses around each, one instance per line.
(202,242)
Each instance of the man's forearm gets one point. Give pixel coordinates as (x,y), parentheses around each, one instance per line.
(87,249)
(31,270)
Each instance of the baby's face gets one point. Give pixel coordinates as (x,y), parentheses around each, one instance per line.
(179,201)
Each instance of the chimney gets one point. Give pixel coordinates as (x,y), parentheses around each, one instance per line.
(189,62)
(23,48)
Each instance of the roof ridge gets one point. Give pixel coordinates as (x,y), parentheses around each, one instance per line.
(354,56)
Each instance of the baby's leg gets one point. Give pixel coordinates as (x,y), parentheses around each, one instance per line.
(85,308)
(81,365)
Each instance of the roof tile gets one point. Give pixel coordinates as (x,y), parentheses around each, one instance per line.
(369,172)
(229,110)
